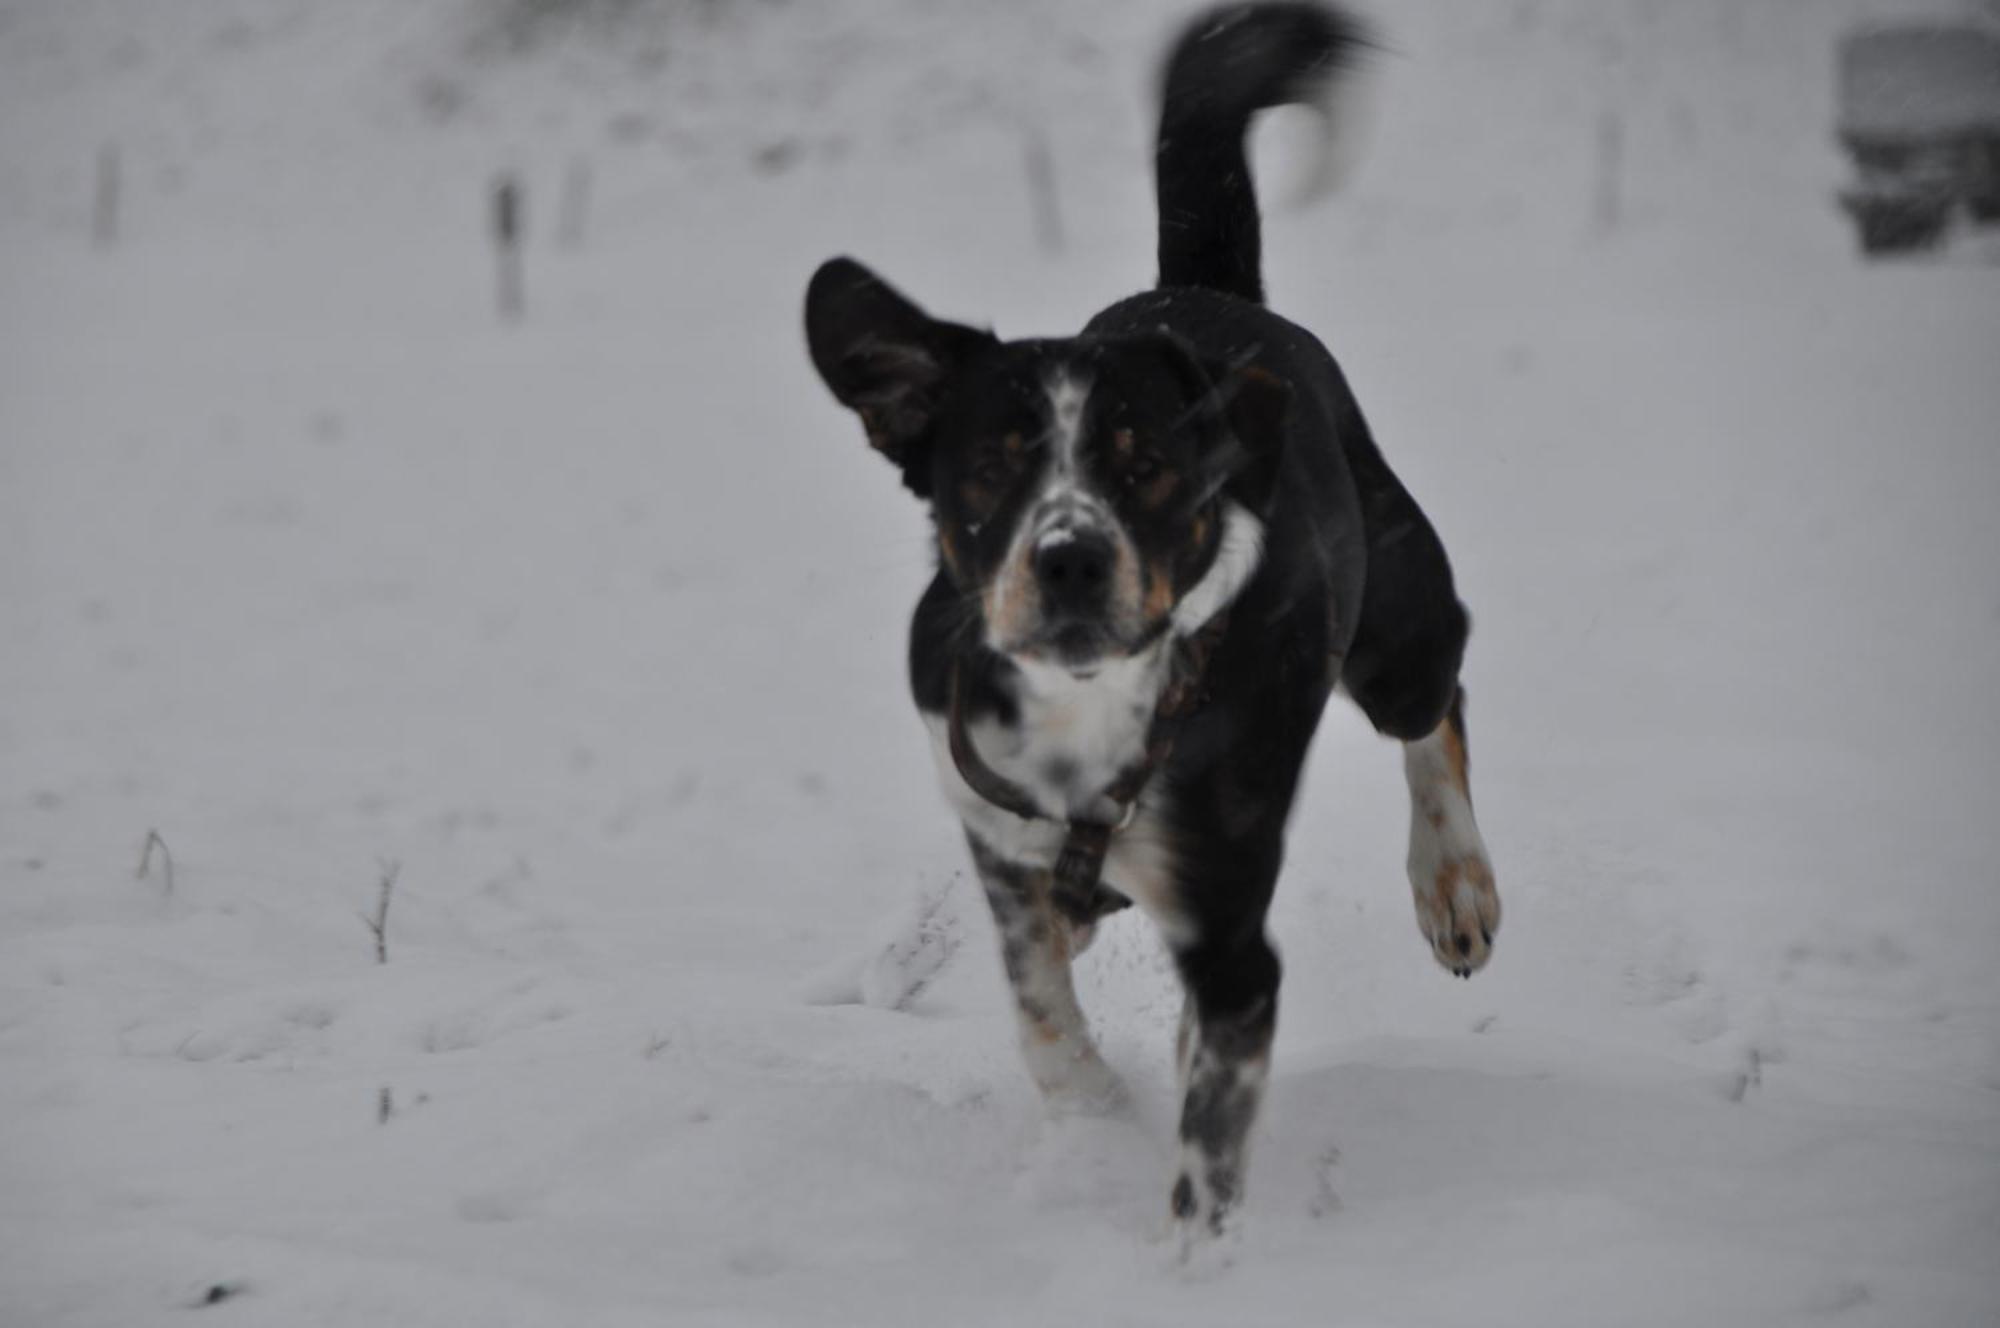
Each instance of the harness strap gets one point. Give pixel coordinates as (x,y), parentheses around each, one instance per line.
(1078,889)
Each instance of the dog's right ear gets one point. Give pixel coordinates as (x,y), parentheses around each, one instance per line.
(886,359)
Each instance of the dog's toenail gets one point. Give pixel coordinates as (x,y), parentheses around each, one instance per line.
(1183,1197)
(1486,935)
(1465,945)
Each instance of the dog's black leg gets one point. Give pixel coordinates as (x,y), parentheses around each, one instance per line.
(1225,1056)
(1035,948)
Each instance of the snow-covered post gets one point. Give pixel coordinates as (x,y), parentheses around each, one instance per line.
(507,243)
(1040,165)
(153,841)
(1619,74)
(575,208)
(104,207)
(1610,158)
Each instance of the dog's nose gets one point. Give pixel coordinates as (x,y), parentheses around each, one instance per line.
(1074,573)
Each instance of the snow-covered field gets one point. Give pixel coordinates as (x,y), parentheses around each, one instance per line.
(592,628)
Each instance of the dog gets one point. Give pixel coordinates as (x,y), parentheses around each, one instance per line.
(1161,544)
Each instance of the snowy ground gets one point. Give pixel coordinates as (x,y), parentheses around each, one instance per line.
(593,626)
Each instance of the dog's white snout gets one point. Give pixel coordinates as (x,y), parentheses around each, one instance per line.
(1067,517)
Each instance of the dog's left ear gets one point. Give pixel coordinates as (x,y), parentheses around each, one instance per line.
(887,360)
(1256,404)
(1244,410)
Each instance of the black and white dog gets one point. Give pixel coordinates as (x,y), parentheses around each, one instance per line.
(1161,544)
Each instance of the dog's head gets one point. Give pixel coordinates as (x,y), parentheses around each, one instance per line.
(1078,486)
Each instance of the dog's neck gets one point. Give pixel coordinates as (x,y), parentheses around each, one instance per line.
(1076,734)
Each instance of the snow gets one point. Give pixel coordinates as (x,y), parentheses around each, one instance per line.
(592,628)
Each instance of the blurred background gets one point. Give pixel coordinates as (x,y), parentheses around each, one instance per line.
(352,531)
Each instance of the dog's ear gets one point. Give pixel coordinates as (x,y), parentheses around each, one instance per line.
(1256,403)
(886,359)
(1241,410)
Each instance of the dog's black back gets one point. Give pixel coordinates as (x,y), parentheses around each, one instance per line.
(1398,626)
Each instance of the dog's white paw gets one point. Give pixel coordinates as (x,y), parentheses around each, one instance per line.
(1202,1253)
(1078,1082)
(1458,907)
(1204,1238)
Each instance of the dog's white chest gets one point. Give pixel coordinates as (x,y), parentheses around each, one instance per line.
(1073,738)
(1076,739)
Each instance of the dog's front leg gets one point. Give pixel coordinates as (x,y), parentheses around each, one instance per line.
(1225,1057)
(1035,948)
(1458,907)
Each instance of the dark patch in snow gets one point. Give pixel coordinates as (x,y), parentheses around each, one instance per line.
(1840,1298)
(218,1292)
(755,1261)
(1751,1075)
(1325,1200)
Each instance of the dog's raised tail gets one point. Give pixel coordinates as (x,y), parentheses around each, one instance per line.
(1228,64)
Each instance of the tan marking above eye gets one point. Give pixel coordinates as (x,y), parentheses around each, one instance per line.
(980,503)
(992,469)
(1142,469)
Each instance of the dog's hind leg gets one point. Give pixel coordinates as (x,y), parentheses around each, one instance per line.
(1402,669)
(1458,908)
(1035,948)
(1410,691)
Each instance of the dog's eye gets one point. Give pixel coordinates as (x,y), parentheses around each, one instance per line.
(1142,470)
(995,463)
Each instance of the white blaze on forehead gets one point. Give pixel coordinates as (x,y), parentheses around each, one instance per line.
(1066,504)
(1062,509)
(1067,393)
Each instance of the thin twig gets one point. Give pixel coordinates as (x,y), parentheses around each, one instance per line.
(507,237)
(575,208)
(1039,162)
(104,208)
(153,840)
(379,924)
(1610,162)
